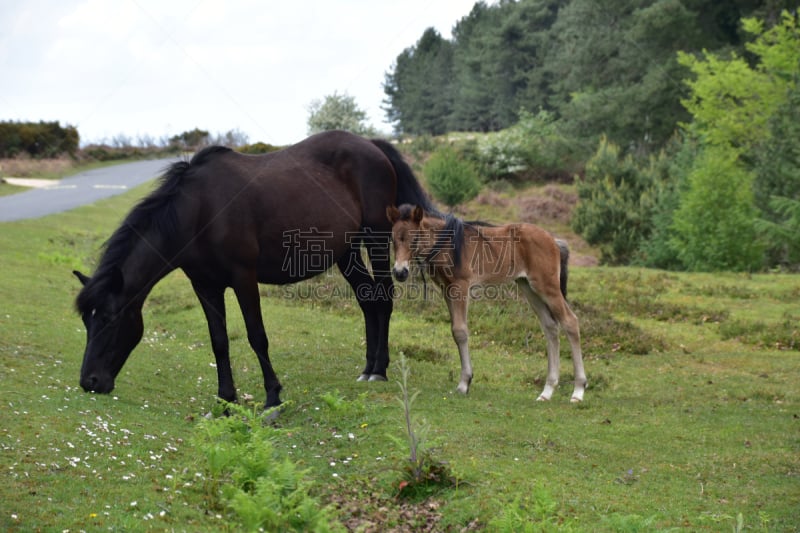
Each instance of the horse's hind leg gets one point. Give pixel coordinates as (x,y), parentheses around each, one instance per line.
(550,329)
(569,322)
(246,288)
(553,312)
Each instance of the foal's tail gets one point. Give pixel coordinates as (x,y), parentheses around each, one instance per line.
(564,252)
(409,191)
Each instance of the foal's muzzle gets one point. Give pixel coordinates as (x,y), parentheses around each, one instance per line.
(400,273)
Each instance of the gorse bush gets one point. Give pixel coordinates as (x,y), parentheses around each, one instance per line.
(451,178)
(615,204)
(37,139)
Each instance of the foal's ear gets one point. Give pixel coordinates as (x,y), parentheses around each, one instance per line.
(83,278)
(416,216)
(393,214)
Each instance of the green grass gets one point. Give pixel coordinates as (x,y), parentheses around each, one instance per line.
(691,417)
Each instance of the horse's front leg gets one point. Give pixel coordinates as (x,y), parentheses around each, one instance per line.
(212,300)
(375,300)
(457,298)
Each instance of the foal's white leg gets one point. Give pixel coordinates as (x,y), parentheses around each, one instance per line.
(457,301)
(550,329)
(570,324)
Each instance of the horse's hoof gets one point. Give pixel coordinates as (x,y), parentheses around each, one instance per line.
(377,377)
(271,413)
(462,390)
(363,377)
(542,398)
(575,399)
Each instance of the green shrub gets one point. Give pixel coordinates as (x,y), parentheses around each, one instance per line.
(669,170)
(37,139)
(258,148)
(615,202)
(265,489)
(715,222)
(531,146)
(451,178)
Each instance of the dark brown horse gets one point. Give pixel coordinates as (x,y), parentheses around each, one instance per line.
(459,256)
(233,220)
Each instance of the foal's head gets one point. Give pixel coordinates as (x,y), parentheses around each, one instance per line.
(406,221)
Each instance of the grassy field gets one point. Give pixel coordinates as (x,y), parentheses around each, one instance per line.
(691,420)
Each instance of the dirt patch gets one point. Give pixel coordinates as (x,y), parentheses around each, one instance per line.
(492,198)
(366,510)
(552,205)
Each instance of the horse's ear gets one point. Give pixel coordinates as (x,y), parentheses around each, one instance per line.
(83,278)
(393,214)
(416,216)
(117,281)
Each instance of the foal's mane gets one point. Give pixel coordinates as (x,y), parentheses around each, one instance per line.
(452,232)
(155,211)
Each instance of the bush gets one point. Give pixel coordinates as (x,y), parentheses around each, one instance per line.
(669,171)
(258,148)
(39,140)
(615,204)
(264,489)
(715,222)
(451,178)
(531,146)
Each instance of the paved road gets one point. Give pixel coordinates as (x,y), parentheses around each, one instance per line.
(81,189)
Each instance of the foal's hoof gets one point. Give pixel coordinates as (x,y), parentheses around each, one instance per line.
(378,377)
(363,377)
(575,400)
(542,398)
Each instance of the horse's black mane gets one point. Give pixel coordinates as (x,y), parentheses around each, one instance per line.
(156,210)
(409,190)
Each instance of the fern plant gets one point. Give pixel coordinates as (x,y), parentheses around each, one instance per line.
(263,488)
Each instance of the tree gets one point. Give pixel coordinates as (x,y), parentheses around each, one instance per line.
(777,184)
(338,112)
(190,140)
(419,90)
(745,114)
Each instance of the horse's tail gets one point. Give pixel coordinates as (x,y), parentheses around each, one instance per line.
(409,190)
(563,250)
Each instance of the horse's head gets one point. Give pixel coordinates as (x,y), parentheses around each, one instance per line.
(113,329)
(406,230)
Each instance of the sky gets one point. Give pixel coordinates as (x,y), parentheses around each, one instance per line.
(156,68)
